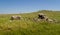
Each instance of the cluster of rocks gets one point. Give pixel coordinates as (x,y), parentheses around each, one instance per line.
(40,17)
(43,17)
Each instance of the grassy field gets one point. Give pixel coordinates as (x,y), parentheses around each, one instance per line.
(27,26)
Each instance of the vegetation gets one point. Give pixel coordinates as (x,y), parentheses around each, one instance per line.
(27,26)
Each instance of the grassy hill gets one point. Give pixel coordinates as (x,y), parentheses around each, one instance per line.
(27,26)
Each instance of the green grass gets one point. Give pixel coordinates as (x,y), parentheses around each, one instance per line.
(28,26)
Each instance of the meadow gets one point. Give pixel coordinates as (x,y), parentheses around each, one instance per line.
(27,26)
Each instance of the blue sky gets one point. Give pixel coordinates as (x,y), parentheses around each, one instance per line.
(23,6)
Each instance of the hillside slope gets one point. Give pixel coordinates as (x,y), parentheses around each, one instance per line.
(27,26)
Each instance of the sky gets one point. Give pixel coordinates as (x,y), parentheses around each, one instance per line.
(26,6)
